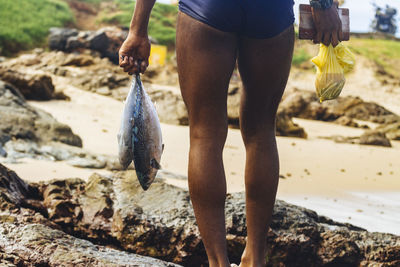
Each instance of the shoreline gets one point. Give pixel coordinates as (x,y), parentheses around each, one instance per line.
(314,168)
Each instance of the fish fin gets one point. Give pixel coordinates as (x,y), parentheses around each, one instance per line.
(155,164)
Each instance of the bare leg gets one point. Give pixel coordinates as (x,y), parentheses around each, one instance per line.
(264,66)
(206,58)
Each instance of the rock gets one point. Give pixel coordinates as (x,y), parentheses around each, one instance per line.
(374,138)
(78,60)
(286,127)
(105,41)
(35,85)
(29,238)
(103,91)
(54,151)
(160,223)
(233,103)
(3,153)
(93,163)
(304,104)
(371,137)
(169,105)
(58,37)
(72,43)
(98,41)
(346,121)
(392,130)
(38,245)
(21,121)
(343,139)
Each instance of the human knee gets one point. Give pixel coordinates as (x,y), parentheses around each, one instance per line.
(258,132)
(213,135)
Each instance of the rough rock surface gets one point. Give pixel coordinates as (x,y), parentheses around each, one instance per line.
(304,104)
(84,70)
(21,121)
(370,137)
(29,238)
(55,151)
(35,85)
(160,223)
(98,75)
(392,130)
(374,138)
(106,41)
(347,121)
(286,127)
(28,132)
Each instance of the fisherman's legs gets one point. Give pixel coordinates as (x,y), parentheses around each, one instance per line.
(206,58)
(264,67)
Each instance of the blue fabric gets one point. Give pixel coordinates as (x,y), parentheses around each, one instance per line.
(252,18)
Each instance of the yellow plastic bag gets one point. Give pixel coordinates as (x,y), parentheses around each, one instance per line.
(332,63)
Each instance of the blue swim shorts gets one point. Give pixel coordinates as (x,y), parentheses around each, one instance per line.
(252,18)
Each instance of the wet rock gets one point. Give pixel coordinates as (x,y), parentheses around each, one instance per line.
(160,223)
(42,246)
(19,120)
(28,237)
(375,138)
(304,104)
(33,85)
(391,130)
(54,151)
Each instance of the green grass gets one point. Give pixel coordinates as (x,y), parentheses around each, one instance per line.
(300,56)
(161,25)
(25,23)
(385,53)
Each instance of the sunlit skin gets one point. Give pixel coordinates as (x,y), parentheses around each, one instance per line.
(206,58)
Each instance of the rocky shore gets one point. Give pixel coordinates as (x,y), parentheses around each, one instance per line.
(107,219)
(28,132)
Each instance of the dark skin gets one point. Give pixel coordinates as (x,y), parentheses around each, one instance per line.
(328,26)
(264,66)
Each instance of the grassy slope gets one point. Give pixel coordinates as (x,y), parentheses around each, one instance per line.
(162,21)
(25,23)
(385,53)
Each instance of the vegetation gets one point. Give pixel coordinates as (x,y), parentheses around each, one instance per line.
(162,21)
(385,53)
(300,56)
(25,24)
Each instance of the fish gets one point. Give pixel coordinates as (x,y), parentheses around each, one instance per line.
(141,124)
(125,151)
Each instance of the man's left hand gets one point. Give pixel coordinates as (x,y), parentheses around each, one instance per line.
(328,26)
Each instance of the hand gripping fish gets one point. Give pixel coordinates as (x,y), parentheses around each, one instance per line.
(139,137)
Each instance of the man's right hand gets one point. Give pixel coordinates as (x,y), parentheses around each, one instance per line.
(134,54)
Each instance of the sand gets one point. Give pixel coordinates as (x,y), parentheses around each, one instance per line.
(349,183)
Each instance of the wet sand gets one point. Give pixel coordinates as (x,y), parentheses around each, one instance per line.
(349,183)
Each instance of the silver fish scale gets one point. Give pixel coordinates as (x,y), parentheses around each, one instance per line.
(140,138)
